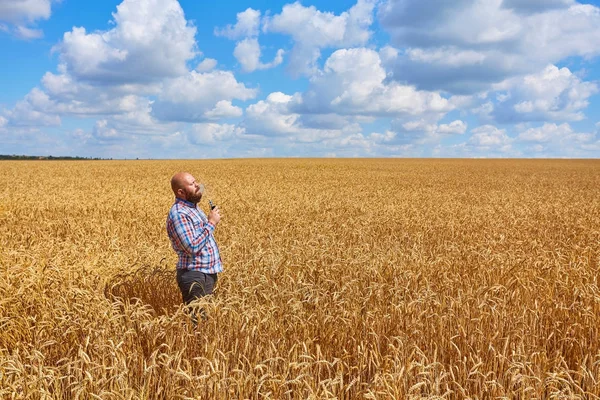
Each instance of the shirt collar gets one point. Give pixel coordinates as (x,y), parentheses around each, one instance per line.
(187,203)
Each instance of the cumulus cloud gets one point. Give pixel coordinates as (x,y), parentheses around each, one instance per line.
(64,96)
(484,141)
(103,131)
(248,53)
(16,11)
(32,111)
(274,117)
(198,97)
(423,131)
(535,6)
(210,133)
(323,121)
(351,89)
(438,50)
(97,77)
(557,134)
(353,82)
(449,56)
(248,24)
(143,81)
(313,30)
(247,50)
(360,144)
(552,94)
(28,33)
(488,138)
(271,116)
(457,127)
(208,64)
(21,13)
(151,41)
(552,140)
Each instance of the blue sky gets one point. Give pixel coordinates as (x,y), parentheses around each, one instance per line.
(365,78)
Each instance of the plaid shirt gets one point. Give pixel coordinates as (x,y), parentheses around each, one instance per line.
(192,238)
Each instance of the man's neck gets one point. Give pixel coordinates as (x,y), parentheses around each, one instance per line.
(187,202)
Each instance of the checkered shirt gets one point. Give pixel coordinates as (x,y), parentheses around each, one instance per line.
(192,238)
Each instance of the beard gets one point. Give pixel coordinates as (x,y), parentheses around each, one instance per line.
(194,197)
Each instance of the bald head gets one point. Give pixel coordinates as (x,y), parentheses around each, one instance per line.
(178,181)
(185,187)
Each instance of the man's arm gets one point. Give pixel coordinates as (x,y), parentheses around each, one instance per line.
(192,240)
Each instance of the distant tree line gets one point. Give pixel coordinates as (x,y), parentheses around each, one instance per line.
(21,157)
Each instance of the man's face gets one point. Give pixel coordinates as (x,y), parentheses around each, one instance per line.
(192,190)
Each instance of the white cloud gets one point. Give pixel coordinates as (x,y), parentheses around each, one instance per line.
(351,89)
(388,136)
(557,134)
(499,41)
(81,136)
(210,133)
(28,33)
(313,30)
(248,24)
(426,132)
(360,145)
(248,53)
(198,97)
(223,109)
(20,13)
(134,121)
(103,131)
(83,88)
(208,64)
(324,121)
(535,6)
(484,110)
(32,111)
(553,94)
(273,117)
(151,40)
(457,127)
(353,82)
(64,96)
(490,138)
(552,140)
(453,128)
(449,56)
(388,53)
(15,11)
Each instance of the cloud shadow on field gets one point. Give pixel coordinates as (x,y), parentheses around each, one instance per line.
(154,286)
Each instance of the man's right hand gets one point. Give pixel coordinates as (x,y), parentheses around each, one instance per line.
(214,216)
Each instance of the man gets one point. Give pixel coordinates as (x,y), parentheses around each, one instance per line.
(191,235)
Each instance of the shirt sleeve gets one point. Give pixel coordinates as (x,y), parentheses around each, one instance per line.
(192,240)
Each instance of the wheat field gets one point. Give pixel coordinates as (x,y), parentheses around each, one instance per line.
(344,279)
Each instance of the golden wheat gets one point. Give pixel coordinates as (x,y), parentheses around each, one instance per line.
(345,279)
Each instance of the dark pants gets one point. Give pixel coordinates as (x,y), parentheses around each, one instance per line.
(194,285)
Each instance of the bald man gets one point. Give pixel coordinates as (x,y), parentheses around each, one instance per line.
(191,235)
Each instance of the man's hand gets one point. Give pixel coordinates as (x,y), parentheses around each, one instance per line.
(214,216)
